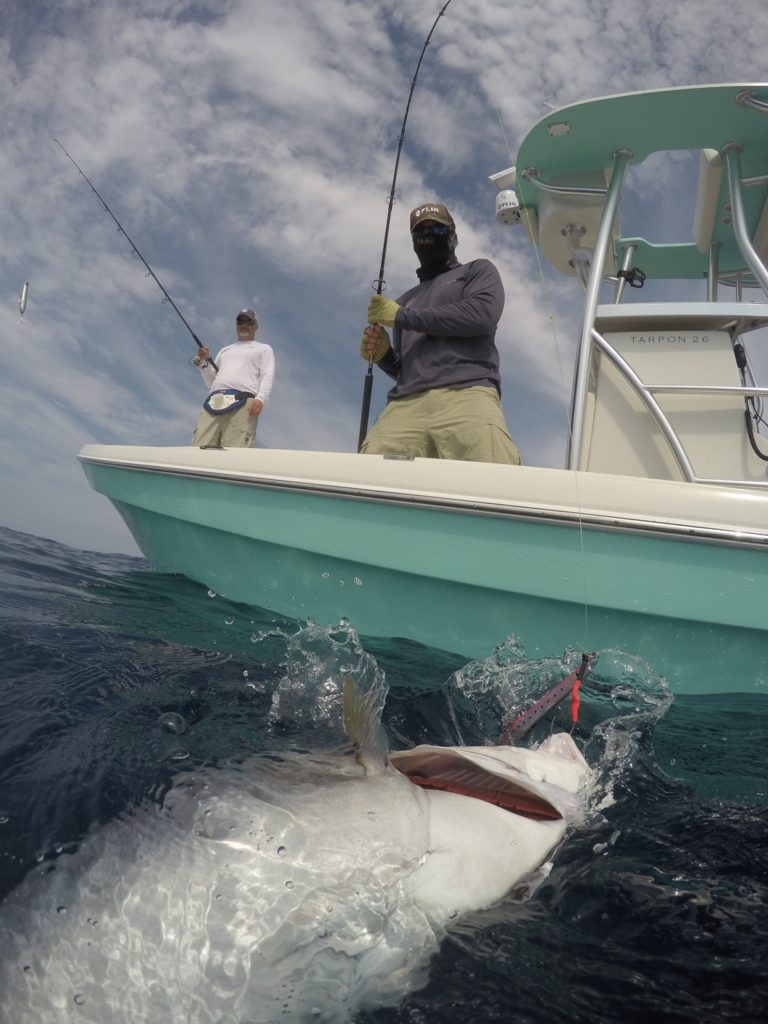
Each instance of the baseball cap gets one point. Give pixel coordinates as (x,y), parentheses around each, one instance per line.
(431,211)
(247,314)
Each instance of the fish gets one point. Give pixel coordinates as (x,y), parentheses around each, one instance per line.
(23,298)
(298,886)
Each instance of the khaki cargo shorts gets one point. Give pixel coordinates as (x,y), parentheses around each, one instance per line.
(445,423)
(229,430)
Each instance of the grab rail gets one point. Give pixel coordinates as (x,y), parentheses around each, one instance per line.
(645,393)
(649,401)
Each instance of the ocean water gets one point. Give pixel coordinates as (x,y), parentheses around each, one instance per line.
(115,680)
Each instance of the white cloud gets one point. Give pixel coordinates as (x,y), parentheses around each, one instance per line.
(248,150)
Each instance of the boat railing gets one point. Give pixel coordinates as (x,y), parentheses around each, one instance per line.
(647,392)
(749,98)
(593,278)
(621,159)
(732,155)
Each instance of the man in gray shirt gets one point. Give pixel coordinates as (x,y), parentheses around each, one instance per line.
(443,357)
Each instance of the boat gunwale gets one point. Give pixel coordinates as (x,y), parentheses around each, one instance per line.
(495,508)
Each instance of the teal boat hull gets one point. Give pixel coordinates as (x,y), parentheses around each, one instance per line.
(456,578)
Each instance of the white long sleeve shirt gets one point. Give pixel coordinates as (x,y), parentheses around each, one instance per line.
(243,366)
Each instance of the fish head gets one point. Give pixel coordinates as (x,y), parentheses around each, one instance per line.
(544,783)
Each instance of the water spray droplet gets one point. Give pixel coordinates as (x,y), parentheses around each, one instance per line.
(171,722)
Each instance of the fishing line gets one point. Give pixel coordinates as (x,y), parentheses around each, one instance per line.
(545,284)
(380,283)
(133,245)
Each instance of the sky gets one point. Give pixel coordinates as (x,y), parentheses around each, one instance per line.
(247,147)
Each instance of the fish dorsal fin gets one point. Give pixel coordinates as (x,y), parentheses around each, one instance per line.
(362,720)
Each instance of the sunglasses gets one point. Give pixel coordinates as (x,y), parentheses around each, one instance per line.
(244,323)
(431,231)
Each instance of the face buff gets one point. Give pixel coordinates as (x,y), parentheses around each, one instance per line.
(435,245)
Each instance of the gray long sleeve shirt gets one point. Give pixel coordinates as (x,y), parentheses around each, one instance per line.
(445,331)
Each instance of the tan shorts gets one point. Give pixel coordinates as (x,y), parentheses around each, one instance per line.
(446,423)
(229,430)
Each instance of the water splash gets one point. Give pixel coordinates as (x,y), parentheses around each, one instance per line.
(318,659)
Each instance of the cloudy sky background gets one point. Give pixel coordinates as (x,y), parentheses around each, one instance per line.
(247,147)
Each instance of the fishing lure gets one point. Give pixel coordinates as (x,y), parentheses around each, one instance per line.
(23,299)
(519,728)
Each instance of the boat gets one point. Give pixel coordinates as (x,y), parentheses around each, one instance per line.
(652,539)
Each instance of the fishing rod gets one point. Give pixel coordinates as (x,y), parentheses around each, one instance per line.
(133,245)
(368,384)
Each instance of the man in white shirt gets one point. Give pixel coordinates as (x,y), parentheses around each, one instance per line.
(238,389)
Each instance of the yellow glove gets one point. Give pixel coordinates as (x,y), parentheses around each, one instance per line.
(374,343)
(382,311)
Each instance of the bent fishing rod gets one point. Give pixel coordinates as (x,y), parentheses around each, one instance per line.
(133,246)
(380,283)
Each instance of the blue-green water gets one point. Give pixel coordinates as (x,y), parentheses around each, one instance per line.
(657,911)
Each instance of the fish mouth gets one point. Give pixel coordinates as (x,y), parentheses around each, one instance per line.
(452,772)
